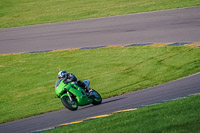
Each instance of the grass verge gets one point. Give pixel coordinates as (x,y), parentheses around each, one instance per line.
(179,116)
(27,80)
(29,12)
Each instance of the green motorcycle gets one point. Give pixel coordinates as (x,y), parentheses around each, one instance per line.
(72,95)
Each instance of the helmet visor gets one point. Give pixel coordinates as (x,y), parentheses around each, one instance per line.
(63,73)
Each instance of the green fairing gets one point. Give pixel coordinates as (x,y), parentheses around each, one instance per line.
(78,92)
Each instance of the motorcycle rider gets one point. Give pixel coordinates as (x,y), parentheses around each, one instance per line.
(69,77)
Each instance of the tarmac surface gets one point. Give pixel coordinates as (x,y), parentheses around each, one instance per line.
(176,25)
(158,94)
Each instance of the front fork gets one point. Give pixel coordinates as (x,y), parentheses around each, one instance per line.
(68,94)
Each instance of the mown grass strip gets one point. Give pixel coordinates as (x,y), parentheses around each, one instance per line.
(29,12)
(175,116)
(27,80)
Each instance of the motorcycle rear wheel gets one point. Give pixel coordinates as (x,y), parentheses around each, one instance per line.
(71,105)
(97,98)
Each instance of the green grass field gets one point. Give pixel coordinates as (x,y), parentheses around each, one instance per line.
(179,116)
(27,80)
(29,12)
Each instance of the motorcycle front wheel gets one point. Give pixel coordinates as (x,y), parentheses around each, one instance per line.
(71,105)
(97,98)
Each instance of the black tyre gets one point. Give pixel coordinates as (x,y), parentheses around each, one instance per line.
(71,105)
(96,98)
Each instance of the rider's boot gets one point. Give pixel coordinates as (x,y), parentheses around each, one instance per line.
(88,90)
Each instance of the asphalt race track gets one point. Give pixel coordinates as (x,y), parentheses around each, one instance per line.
(172,90)
(162,26)
(177,25)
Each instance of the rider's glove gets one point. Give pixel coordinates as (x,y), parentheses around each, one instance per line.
(65,81)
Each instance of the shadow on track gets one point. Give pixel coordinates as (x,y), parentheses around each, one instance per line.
(109,101)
